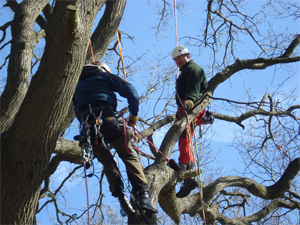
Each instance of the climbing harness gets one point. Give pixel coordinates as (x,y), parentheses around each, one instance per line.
(86,147)
(85,141)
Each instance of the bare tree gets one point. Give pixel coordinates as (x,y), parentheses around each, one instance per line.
(36,108)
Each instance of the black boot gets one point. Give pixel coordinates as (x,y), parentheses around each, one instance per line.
(175,166)
(188,185)
(145,201)
(126,207)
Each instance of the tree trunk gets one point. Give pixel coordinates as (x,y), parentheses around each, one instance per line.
(27,145)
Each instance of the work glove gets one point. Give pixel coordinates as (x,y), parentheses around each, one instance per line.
(188,104)
(132,120)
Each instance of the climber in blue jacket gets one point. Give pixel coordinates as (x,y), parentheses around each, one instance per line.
(95,96)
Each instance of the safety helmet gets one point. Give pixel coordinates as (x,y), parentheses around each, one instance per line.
(103,65)
(180,50)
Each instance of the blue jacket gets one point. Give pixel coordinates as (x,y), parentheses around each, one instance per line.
(97,85)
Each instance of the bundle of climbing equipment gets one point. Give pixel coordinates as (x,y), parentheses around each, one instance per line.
(84,139)
(86,147)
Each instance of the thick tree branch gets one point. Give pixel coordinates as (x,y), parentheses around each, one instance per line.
(291,48)
(259,63)
(212,214)
(106,29)
(275,191)
(271,192)
(65,150)
(19,71)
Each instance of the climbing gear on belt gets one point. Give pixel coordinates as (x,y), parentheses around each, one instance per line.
(86,147)
(84,139)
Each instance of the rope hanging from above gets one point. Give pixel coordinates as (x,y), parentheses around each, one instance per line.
(176,39)
(121,55)
(188,125)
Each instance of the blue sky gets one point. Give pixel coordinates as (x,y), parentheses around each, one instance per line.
(138,21)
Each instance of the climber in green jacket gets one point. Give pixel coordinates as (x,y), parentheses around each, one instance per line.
(190,86)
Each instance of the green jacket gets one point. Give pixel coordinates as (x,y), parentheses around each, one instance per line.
(191,83)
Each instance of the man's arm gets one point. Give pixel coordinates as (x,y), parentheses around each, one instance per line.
(127,90)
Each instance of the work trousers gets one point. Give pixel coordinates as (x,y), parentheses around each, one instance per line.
(185,139)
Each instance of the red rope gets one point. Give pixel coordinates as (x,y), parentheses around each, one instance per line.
(149,156)
(143,137)
(151,144)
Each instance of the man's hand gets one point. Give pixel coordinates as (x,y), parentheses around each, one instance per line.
(132,120)
(188,104)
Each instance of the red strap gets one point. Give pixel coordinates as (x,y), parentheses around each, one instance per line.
(151,144)
(125,135)
(142,136)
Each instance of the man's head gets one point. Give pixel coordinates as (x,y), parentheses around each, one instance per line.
(180,55)
(102,65)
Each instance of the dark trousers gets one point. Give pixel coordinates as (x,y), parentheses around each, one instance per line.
(113,133)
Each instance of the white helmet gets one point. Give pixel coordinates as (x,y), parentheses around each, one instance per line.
(102,64)
(180,50)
